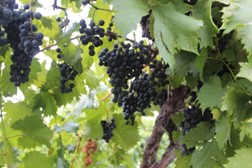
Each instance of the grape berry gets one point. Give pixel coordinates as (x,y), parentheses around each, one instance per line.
(108,127)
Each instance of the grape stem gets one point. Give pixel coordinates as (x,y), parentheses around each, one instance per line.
(76,150)
(55,6)
(97,8)
(230,70)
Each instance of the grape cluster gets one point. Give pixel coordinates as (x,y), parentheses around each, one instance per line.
(23,38)
(91,34)
(134,89)
(192,116)
(68,74)
(108,128)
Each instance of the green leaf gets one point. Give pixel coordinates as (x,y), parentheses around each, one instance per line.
(200,62)
(7,155)
(93,129)
(208,156)
(72,56)
(37,159)
(237,102)
(214,92)
(130,10)
(74,5)
(233,19)
(223,131)
(183,162)
(242,158)
(246,70)
(202,11)
(246,130)
(64,39)
(100,14)
(35,131)
(198,134)
(47,102)
(124,135)
(7,88)
(49,26)
(181,67)
(53,77)
(16,111)
(171,34)
(91,79)
(61,163)
(41,76)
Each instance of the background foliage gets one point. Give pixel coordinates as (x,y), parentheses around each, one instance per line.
(207,41)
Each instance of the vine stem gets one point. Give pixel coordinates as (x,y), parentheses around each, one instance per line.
(97,8)
(222,61)
(76,150)
(2,119)
(162,123)
(105,97)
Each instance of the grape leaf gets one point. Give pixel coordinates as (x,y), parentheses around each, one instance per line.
(41,76)
(242,158)
(93,119)
(246,130)
(49,26)
(124,135)
(181,68)
(35,131)
(91,79)
(7,88)
(200,61)
(208,156)
(47,102)
(74,5)
(246,70)
(236,102)
(16,111)
(198,134)
(183,162)
(233,18)
(7,155)
(202,11)
(62,163)
(214,92)
(66,36)
(100,14)
(171,35)
(37,159)
(53,77)
(72,56)
(130,10)
(223,131)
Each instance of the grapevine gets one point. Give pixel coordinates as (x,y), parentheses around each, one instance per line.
(113,83)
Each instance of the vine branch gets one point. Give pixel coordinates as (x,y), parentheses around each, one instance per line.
(163,121)
(76,150)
